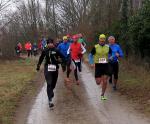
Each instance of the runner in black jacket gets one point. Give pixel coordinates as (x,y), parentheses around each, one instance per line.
(52,57)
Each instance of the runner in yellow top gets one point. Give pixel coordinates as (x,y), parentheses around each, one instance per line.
(101,53)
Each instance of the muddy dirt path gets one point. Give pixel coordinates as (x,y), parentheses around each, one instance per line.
(82,105)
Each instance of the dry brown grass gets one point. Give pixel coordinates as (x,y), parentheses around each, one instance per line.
(14,80)
(135,83)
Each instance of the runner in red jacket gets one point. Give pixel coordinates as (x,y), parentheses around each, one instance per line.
(28,47)
(76,50)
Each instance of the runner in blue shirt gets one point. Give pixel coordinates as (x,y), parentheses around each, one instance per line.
(63,48)
(114,60)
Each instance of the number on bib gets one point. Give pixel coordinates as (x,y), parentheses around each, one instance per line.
(102,60)
(51,67)
(77,60)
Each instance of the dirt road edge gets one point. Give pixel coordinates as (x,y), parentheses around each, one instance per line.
(28,98)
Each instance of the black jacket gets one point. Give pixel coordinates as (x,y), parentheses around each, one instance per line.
(51,56)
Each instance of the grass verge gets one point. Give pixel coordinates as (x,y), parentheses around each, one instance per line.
(15,80)
(135,83)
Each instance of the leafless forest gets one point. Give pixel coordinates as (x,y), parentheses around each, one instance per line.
(23,20)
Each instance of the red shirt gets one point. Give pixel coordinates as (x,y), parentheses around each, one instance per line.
(28,46)
(76,50)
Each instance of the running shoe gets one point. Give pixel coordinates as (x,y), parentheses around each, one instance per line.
(103,98)
(51,105)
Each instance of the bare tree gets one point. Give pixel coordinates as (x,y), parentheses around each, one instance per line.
(32,19)
(4,4)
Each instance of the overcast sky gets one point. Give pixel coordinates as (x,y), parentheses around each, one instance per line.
(13,3)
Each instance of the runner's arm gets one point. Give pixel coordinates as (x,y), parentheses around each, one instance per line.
(68,51)
(93,51)
(41,59)
(110,51)
(91,59)
(84,44)
(110,54)
(59,54)
(58,47)
(83,49)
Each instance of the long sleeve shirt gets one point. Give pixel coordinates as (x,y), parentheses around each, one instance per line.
(83,49)
(51,56)
(63,48)
(116,49)
(75,49)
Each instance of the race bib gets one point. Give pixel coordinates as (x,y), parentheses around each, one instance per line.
(51,67)
(102,60)
(77,60)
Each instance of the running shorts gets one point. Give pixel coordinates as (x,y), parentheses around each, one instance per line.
(114,69)
(101,69)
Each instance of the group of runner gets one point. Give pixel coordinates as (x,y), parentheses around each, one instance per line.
(72,52)
(69,52)
(105,57)
(31,48)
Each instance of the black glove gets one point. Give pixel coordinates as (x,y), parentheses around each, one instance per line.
(38,68)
